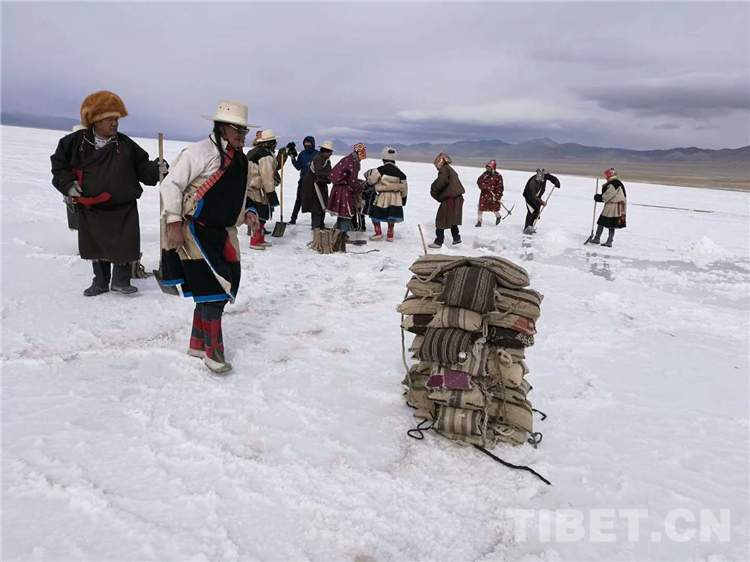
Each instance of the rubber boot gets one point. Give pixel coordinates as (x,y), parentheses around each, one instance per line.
(391,233)
(213,342)
(378,232)
(598,238)
(197,347)
(263,240)
(610,238)
(255,240)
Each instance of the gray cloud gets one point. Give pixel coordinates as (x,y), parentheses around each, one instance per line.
(592,73)
(696,96)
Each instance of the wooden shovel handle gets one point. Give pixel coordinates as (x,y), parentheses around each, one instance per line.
(161,155)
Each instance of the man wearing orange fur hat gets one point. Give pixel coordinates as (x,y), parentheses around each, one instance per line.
(102,171)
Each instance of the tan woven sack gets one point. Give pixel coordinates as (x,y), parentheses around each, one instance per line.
(417,305)
(424,288)
(454,317)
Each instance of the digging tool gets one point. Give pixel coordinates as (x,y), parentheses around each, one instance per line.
(509,211)
(168,289)
(280,226)
(593,220)
(544,207)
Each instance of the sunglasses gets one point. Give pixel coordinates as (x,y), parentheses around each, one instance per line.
(240,130)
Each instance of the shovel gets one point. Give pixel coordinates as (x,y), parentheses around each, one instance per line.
(358,240)
(536,220)
(168,289)
(280,227)
(593,220)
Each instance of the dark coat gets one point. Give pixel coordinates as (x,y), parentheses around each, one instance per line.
(109,230)
(534,190)
(448,190)
(491,186)
(320,171)
(347,188)
(302,162)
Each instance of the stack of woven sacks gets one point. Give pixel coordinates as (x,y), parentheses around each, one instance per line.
(473,319)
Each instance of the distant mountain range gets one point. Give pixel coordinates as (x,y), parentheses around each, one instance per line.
(537,150)
(542,150)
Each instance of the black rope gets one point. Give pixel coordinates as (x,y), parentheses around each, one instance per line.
(501,461)
(419,430)
(535,437)
(544,416)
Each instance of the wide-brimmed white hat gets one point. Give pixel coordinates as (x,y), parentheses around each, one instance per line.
(328,145)
(267,136)
(232,112)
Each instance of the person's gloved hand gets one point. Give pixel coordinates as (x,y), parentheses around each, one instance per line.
(542,204)
(75,190)
(598,198)
(163,167)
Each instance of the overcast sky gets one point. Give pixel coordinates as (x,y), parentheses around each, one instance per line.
(633,75)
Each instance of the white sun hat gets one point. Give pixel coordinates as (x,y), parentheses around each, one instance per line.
(328,145)
(267,135)
(232,112)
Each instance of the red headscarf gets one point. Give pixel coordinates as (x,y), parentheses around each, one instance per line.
(361,149)
(492,164)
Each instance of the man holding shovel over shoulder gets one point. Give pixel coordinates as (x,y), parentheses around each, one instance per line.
(533,192)
(261,185)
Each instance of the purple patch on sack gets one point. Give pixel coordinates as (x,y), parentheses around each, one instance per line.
(456,380)
(435,381)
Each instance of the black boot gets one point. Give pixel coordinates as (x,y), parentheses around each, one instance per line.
(598,238)
(610,238)
(121,279)
(102,275)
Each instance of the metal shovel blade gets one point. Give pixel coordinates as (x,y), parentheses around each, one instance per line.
(167,289)
(278,229)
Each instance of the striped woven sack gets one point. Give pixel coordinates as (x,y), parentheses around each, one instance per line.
(424,288)
(419,399)
(505,337)
(467,399)
(524,302)
(511,321)
(425,413)
(517,395)
(454,317)
(506,433)
(512,414)
(516,353)
(447,378)
(509,375)
(416,343)
(458,421)
(507,273)
(469,287)
(418,380)
(427,265)
(449,346)
(416,323)
(417,305)
(468,439)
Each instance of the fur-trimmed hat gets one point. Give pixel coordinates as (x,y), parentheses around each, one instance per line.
(388,153)
(441,160)
(101,105)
